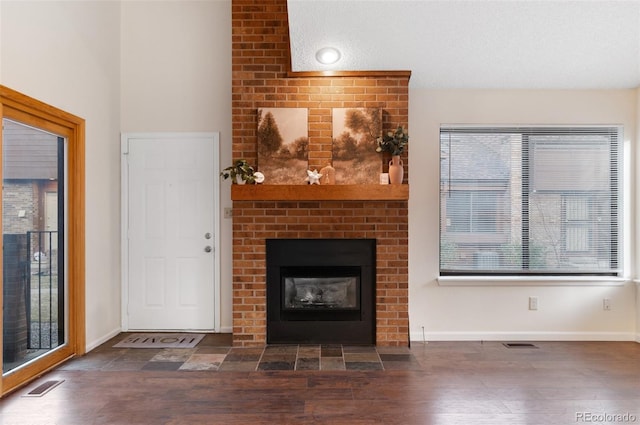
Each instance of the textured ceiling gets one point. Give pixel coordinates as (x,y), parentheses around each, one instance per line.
(555,44)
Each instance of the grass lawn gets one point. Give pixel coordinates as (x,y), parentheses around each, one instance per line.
(44,298)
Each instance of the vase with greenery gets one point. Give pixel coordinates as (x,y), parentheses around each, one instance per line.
(242,172)
(394,142)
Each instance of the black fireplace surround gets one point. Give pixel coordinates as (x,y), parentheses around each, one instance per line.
(321,291)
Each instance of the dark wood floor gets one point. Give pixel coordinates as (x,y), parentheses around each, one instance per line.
(448,383)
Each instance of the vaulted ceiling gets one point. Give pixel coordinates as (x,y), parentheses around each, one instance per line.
(544,44)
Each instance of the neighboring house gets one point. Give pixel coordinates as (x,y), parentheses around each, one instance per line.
(30,195)
(473,203)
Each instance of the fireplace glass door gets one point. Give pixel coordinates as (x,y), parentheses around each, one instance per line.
(321,290)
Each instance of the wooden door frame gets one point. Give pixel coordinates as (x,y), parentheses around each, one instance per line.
(30,111)
(124,202)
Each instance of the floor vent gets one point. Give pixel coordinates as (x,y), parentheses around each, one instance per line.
(519,345)
(44,388)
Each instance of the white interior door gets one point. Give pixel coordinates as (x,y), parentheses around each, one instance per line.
(171,236)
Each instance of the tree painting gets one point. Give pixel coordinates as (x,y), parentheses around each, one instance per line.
(269,137)
(355,131)
(283,143)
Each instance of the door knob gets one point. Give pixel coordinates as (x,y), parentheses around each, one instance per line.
(207,248)
(207,235)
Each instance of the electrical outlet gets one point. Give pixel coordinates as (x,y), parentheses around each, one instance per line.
(533,303)
(606,304)
(228,213)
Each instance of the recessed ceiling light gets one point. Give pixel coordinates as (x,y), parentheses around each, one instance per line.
(328,55)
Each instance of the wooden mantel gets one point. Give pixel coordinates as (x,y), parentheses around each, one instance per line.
(339,192)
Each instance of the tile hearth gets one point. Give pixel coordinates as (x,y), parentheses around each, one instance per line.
(215,353)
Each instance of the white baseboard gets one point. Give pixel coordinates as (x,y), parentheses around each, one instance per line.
(93,344)
(523,336)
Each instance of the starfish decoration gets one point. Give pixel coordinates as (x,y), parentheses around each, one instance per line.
(313,177)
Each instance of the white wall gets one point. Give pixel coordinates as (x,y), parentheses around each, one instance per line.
(123,67)
(1,43)
(176,77)
(501,312)
(67,54)
(637,233)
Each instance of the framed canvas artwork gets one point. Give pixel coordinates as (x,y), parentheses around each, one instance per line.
(355,131)
(283,142)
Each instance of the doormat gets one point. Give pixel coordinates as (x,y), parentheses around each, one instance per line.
(160,340)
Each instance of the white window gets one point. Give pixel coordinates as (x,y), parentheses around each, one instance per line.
(530,200)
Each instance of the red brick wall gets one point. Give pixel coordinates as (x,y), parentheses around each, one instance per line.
(261,78)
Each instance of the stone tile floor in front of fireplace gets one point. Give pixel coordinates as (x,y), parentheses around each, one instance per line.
(215,353)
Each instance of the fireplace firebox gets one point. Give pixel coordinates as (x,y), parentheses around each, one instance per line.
(321,291)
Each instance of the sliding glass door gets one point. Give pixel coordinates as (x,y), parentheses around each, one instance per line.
(42,160)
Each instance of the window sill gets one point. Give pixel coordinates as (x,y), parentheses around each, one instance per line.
(532,281)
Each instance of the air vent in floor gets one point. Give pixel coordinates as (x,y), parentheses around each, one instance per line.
(43,388)
(519,345)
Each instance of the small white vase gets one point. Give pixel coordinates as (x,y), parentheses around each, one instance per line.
(239,179)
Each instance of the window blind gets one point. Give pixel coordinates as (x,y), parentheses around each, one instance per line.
(530,200)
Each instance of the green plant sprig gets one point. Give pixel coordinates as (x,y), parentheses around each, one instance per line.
(240,168)
(393,142)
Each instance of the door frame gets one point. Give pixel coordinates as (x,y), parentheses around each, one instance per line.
(125,139)
(30,111)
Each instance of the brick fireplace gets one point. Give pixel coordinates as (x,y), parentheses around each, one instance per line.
(262,78)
